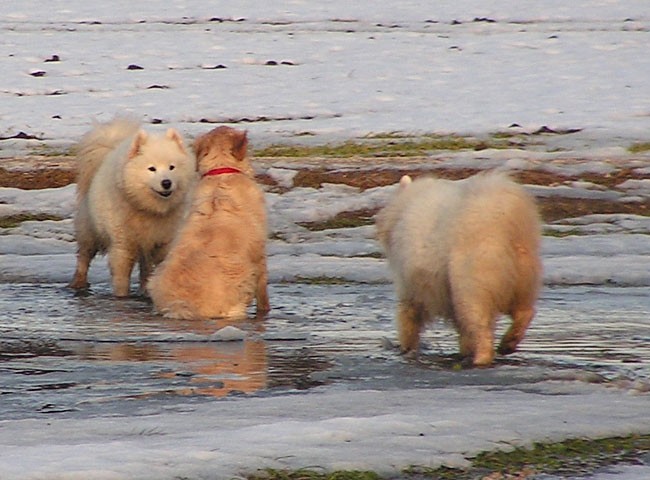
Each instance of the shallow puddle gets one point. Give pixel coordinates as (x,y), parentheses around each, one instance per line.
(60,352)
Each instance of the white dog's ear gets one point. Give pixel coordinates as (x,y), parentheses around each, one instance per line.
(176,137)
(404,181)
(139,140)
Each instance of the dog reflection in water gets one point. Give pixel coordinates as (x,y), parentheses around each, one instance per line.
(210,368)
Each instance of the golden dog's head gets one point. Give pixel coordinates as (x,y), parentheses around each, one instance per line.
(222,147)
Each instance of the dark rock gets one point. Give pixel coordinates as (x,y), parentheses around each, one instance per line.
(21,136)
(484,19)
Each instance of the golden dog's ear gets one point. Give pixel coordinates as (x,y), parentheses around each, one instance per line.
(176,138)
(201,145)
(239,144)
(139,140)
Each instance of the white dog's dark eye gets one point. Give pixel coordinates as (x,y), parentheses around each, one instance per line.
(172,167)
(152,169)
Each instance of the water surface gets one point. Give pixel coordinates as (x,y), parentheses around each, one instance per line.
(92,354)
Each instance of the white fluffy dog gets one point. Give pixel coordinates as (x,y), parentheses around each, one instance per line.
(465,251)
(132,189)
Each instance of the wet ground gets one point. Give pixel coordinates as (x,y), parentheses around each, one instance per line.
(80,355)
(70,356)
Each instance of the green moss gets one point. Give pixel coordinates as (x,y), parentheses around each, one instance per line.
(387,144)
(505,135)
(388,135)
(15,220)
(549,232)
(46,150)
(320,280)
(371,255)
(439,473)
(639,147)
(310,474)
(570,457)
(337,222)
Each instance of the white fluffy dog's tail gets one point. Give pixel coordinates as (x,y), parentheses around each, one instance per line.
(95,145)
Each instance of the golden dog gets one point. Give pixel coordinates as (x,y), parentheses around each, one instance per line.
(217,262)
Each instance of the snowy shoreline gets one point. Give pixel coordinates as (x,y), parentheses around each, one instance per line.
(357,430)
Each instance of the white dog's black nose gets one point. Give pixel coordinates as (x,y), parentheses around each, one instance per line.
(166,184)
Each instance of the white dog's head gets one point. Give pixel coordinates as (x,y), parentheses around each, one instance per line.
(158,171)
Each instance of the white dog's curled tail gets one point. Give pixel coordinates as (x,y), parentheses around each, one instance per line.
(95,145)
(404,181)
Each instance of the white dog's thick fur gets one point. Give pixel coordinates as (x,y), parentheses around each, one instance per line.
(217,263)
(132,190)
(465,251)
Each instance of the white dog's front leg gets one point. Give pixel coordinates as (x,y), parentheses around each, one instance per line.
(121,263)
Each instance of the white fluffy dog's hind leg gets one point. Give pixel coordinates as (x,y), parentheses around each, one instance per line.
(475,325)
(409,325)
(84,257)
(521,318)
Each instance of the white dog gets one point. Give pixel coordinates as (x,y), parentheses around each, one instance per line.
(465,251)
(132,189)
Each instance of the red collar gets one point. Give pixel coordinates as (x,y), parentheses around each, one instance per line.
(220,171)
